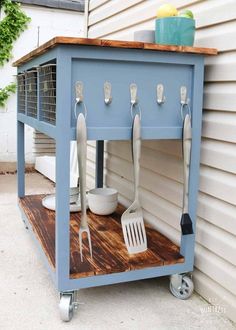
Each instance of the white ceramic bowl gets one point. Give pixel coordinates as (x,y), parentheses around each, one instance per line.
(103,201)
(145,36)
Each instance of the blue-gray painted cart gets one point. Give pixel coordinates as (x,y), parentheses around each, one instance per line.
(169,83)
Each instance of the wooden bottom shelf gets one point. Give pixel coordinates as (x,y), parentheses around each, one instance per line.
(109,251)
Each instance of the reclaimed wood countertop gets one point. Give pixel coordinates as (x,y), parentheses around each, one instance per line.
(111,43)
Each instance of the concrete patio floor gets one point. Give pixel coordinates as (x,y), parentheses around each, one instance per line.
(29,300)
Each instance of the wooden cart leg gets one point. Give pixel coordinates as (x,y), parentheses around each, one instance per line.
(63,122)
(21,159)
(188,241)
(21,162)
(99,163)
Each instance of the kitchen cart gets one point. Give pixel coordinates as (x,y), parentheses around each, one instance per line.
(101,78)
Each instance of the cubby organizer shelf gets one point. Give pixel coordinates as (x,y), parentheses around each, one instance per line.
(47,92)
(103,78)
(21,92)
(31,81)
(37,93)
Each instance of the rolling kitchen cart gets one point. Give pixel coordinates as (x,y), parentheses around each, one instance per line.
(102,78)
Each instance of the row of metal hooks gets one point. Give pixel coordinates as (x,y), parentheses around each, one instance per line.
(184,100)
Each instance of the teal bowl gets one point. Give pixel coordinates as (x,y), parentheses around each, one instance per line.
(177,30)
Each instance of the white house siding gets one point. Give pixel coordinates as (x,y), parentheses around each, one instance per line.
(45,24)
(161,174)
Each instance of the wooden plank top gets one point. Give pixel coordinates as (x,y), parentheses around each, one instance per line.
(109,251)
(111,43)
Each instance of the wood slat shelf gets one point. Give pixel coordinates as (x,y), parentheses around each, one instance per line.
(109,251)
(111,43)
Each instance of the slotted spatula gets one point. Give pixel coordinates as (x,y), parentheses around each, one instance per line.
(186,222)
(132,219)
(82,157)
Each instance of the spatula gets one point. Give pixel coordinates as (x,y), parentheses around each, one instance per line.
(132,219)
(186,222)
(82,158)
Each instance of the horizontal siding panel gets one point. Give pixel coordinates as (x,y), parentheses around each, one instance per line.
(209,207)
(90,182)
(40,135)
(216,294)
(43,145)
(216,268)
(128,34)
(90,168)
(221,72)
(171,147)
(45,141)
(220,96)
(214,12)
(221,67)
(93,4)
(132,16)
(219,126)
(44,152)
(152,181)
(91,143)
(109,9)
(217,212)
(218,184)
(220,36)
(91,152)
(212,181)
(162,226)
(221,155)
(158,162)
(216,240)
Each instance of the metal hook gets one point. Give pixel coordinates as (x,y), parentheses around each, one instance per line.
(183,96)
(134,99)
(79,97)
(79,87)
(160,94)
(107,92)
(133,94)
(184,101)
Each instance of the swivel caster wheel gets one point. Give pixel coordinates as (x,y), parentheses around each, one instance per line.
(66,307)
(182,288)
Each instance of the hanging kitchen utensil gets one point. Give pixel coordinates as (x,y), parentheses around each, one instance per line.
(186,222)
(132,219)
(81,133)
